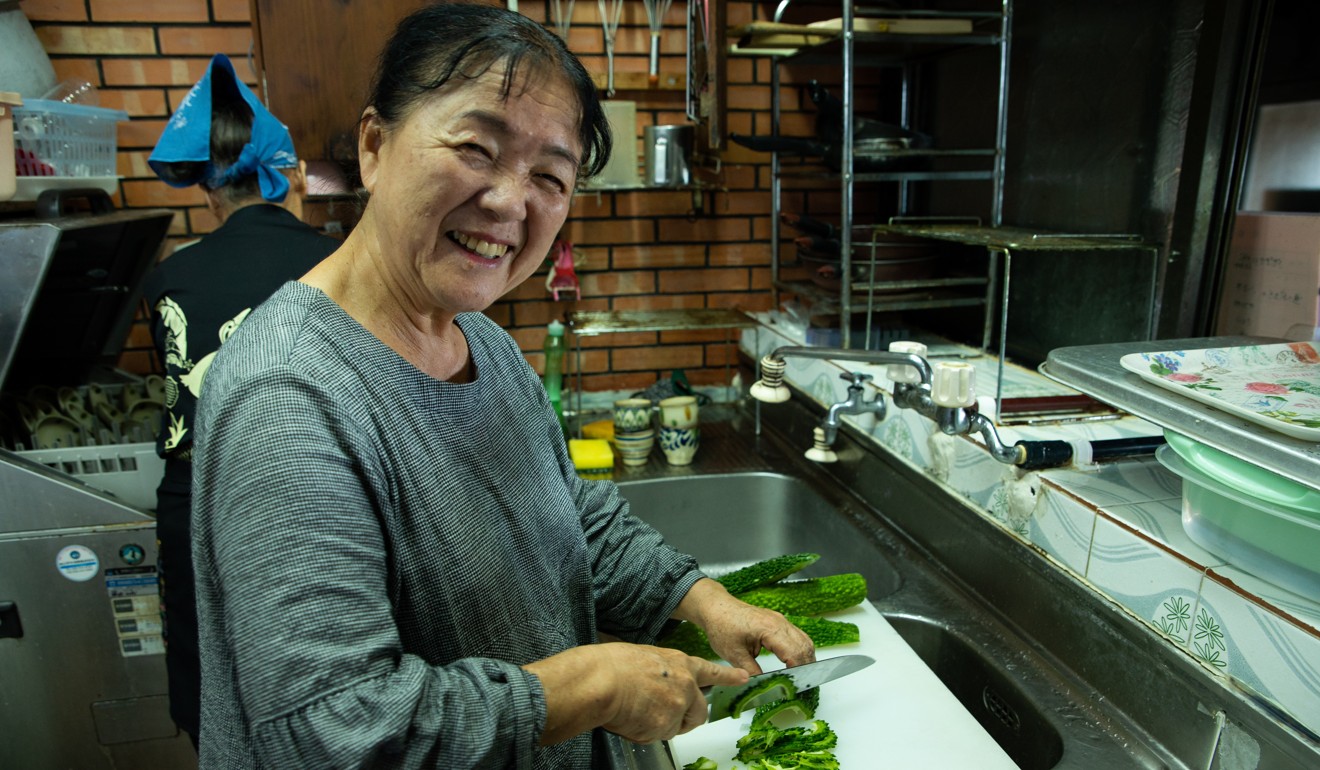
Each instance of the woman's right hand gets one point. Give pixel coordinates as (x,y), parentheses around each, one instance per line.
(639,692)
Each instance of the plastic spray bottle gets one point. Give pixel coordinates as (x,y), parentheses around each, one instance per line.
(554,369)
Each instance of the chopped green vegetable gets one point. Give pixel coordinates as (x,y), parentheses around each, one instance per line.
(702,763)
(689,638)
(766,572)
(825,632)
(802,760)
(813,596)
(784,713)
(771,742)
(766,691)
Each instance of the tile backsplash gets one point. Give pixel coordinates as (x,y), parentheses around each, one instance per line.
(1117,528)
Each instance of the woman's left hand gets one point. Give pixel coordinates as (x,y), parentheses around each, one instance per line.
(737,631)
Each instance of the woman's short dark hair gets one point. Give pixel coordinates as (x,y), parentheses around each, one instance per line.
(231,130)
(432,45)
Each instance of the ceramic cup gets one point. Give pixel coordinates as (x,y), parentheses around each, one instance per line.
(635,447)
(678,412)
(632,415)
(679,444)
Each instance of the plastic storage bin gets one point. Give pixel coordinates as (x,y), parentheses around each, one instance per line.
(58,145)
(1274,536)
(8,100)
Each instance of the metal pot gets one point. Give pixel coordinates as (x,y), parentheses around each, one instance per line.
(668,150)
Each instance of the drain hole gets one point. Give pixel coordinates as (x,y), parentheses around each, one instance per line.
(1002,711)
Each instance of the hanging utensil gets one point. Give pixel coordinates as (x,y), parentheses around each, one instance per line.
(562,21)
(655,18)
(609,22)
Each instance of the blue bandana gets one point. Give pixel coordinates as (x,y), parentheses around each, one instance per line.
(187,137)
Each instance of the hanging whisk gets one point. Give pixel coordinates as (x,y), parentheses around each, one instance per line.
(609,22)
(562,21)
(655,18)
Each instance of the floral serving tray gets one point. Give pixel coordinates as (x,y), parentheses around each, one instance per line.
(1277,386)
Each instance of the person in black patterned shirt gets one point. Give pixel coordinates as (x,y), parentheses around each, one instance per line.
(224,141)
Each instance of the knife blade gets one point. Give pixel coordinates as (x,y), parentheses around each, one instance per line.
(724,699)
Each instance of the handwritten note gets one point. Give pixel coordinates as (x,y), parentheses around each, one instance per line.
(1272,277)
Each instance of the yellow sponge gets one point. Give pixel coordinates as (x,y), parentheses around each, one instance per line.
(592,457)
(599,429)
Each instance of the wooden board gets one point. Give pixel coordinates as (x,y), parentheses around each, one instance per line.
(895,714)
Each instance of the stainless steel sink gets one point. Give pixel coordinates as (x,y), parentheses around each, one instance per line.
(987,690)
(731,518)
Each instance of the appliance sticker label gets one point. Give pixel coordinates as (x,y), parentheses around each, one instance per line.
(135,602)
(77,563)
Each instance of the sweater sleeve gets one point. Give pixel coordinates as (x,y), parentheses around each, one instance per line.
(294,587)
(638,580)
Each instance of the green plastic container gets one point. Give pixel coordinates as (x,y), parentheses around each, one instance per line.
(1274,541)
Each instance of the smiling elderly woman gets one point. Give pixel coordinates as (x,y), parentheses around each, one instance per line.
(396,564)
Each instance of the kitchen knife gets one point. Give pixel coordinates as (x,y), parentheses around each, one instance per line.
(722,699)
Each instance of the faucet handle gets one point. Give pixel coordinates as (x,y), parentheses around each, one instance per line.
(953,384)
(856,378)
(903,372)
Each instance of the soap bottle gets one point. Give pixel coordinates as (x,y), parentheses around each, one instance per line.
(554,369)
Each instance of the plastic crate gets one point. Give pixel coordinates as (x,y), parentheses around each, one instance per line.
(130,472)
(65,140)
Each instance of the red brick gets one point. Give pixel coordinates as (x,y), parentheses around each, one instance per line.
(719,355)
(499,314)
(697,335)
(741,301)
(735,254)
(54,10)
(205,41)
(137,102)
(133,165)
(746,204)
(748,98)
(706,230)
(119,41)
(709,377)
(708,279)
(616,283)
(153,72)
(154,193)
(231,10)
(592,204)
(660,302)
(659,255)
(653,204)
(140,133)
(593,362)
(537,313)
(631,382)
(606,232)
(77,69)
(625,339)
(149,10)
(662,357)
(761,279)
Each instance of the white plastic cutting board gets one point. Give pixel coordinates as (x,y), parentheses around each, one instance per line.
(894,714)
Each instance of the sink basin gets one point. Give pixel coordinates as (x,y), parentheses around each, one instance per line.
(731,520)
(1016,724)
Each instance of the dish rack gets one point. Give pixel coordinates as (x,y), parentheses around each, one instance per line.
(63,146)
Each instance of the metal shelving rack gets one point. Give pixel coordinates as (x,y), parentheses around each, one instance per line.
(854,49)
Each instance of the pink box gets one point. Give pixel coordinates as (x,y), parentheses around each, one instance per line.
(1272,277)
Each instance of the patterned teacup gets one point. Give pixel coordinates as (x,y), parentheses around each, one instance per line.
(632,415)
(678,412)
(679,444)
(635,446)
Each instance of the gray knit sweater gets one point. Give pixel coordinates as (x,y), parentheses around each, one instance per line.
(377,552)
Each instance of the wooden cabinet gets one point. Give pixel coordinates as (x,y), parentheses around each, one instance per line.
(315,59)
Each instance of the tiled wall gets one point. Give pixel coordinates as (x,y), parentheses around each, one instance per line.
(641,249)
(1117,528)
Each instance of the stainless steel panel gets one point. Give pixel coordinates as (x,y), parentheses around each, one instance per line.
(26,252)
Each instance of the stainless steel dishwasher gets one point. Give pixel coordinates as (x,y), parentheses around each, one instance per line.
(81,652)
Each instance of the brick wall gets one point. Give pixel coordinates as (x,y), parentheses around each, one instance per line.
(642,249)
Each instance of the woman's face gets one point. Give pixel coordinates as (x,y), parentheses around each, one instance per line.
(470,190)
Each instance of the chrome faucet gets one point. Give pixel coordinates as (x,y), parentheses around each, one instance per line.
(945,393)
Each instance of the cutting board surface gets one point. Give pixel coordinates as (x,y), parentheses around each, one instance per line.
(894,714)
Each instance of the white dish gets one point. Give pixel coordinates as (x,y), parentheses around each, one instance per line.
(1275,386)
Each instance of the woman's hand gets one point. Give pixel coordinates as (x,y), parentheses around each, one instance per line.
(737,630)
(640,692)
